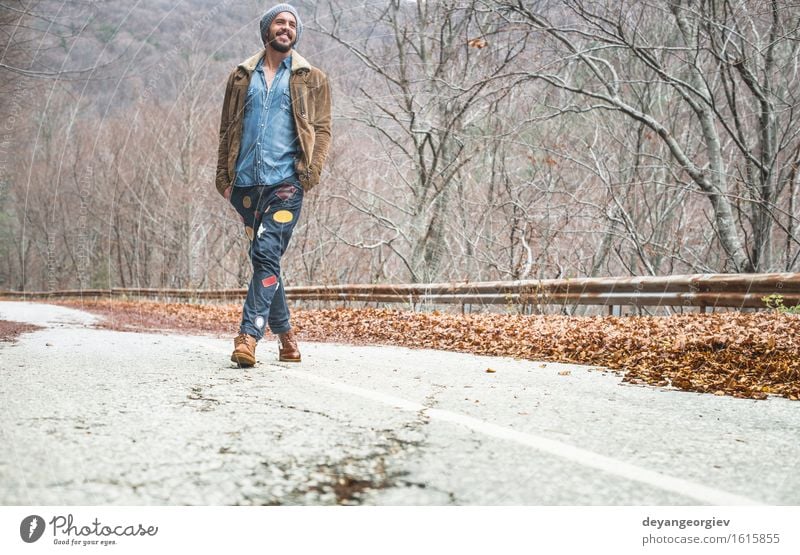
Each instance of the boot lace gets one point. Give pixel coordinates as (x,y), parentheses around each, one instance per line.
(239,339)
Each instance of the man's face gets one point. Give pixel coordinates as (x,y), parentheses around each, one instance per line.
(282,32)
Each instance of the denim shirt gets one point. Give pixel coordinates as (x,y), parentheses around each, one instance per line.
(269,137)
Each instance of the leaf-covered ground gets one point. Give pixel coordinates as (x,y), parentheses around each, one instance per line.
(9,331)
(741,354)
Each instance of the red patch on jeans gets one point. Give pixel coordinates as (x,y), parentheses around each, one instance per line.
(269,281)
(285,192)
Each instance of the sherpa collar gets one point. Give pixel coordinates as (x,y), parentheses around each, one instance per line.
(298,62)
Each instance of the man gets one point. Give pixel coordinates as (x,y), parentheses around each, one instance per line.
(274,136)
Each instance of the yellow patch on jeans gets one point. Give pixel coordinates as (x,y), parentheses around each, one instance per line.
(246,202)
(283,216)
(249,231)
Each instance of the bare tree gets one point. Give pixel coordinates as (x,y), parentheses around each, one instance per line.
(425,96)
(725,79)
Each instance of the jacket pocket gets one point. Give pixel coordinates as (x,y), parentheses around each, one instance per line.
(301,104)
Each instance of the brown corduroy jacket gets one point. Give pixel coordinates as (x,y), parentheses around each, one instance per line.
(311,106)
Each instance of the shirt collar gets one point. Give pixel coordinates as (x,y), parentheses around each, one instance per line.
(286,63)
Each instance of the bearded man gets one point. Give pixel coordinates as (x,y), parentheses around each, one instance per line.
(274,136)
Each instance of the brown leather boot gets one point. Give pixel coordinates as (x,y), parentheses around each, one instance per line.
(288,351)
(244,350)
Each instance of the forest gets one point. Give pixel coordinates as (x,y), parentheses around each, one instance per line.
(473,140)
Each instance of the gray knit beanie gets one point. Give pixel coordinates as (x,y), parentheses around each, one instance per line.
(266,20)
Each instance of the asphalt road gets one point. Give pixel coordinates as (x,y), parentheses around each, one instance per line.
(97,417)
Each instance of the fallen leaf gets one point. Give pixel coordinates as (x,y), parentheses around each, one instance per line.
(746,355)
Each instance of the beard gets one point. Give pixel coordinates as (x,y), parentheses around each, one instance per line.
(272,40)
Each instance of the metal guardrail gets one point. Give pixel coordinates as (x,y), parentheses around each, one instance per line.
(697,290)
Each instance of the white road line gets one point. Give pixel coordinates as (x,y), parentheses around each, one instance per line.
(609,465)
(628,471)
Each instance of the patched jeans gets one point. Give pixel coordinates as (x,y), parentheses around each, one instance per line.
(269,215)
